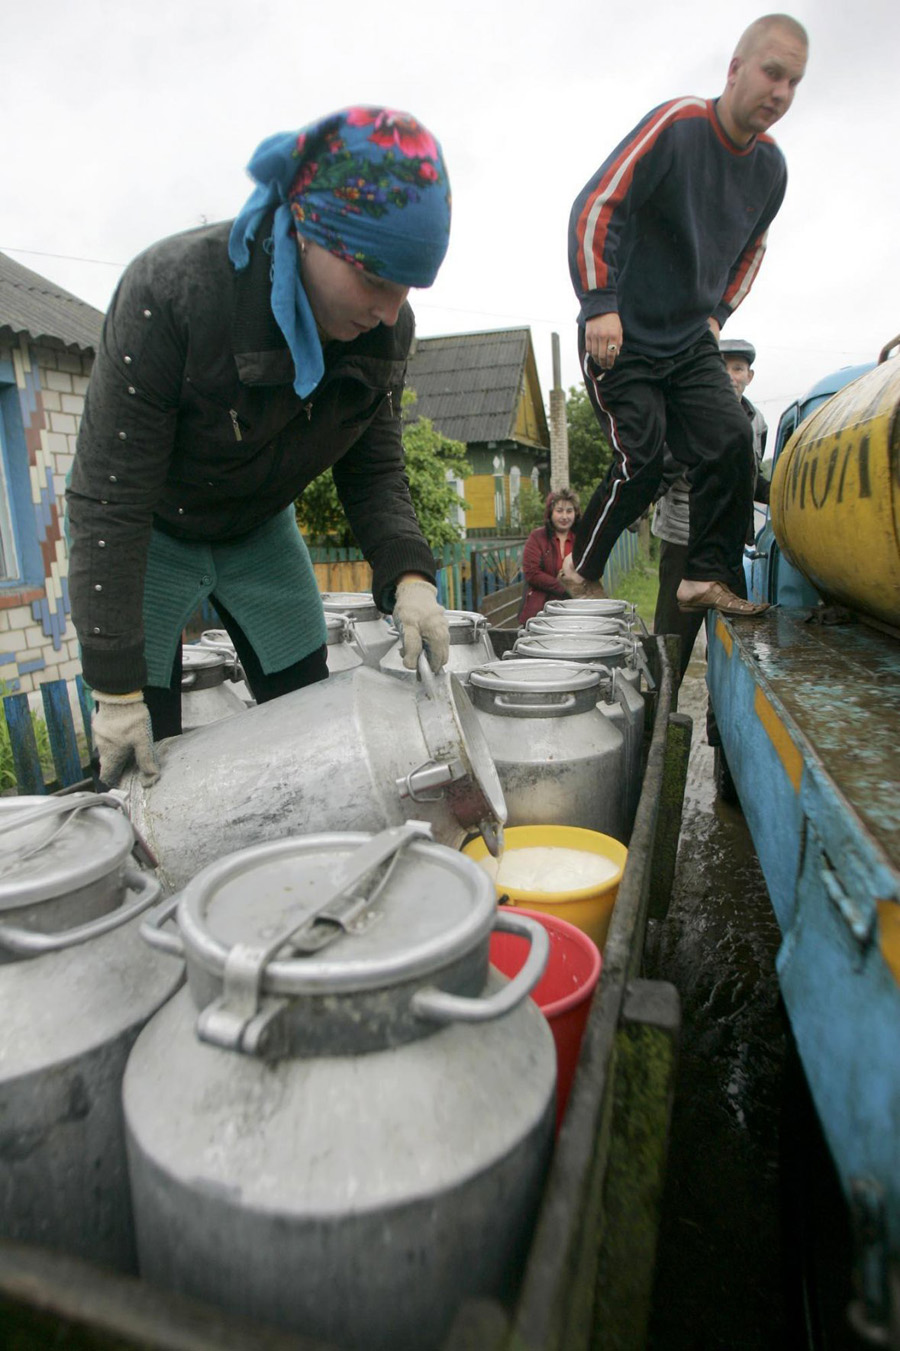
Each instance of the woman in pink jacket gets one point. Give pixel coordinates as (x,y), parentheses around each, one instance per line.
(545,550)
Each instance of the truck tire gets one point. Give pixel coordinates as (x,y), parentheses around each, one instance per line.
(725,789)
(817,1246)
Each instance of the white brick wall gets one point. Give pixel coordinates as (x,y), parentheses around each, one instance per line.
(62,378)
(63,422)
(56,380)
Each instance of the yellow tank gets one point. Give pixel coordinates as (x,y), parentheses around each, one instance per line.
(835,498)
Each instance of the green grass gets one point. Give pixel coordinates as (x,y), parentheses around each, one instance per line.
(42,741)
(641,585)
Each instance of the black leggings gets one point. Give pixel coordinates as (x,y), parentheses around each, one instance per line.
(165,703)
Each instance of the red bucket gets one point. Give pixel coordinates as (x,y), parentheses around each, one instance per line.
(564,992)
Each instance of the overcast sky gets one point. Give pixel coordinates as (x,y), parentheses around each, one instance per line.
(124,122)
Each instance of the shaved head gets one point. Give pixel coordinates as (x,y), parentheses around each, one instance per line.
(763,75)
(753,37)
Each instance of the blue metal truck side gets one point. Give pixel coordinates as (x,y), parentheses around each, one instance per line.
(809,715)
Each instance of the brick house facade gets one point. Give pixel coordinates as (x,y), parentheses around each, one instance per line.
(47,343)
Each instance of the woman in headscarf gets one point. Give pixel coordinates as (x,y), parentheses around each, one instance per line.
(545,550)
(238,362)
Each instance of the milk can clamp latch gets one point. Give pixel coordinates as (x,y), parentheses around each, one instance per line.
(243,1018)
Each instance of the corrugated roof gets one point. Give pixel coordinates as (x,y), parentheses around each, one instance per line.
(33,305)
(469,384)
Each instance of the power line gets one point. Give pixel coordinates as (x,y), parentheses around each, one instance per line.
(65,257)
(424,305)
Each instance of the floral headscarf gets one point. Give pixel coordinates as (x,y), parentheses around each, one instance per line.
(368,184)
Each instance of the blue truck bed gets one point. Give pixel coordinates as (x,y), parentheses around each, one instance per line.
(810,721)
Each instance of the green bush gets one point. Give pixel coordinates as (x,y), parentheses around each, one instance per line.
(531,507)
(428,457)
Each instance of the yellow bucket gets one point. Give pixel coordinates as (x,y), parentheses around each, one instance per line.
(590,908)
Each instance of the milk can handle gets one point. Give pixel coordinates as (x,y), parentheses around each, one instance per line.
(425,674)
(151,929)
(353,633)
(501,701)
(28,943)
(439,1007)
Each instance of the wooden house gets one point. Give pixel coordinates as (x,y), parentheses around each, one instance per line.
(47,342)
(483,389)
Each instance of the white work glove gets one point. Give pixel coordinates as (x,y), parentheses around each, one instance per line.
(421,620)
(121,729)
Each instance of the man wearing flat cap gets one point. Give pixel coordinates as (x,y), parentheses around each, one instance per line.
(671,518)
(665,241)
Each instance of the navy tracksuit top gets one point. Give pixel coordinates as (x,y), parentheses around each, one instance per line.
(671,229)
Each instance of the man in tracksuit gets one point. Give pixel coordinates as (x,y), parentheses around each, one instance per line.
(664,243)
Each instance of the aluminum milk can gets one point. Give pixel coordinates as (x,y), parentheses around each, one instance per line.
(76,984)
(220,640)
(372,633)
(359,750)
(623,704)
(470,646)
(342,1126)
(343,652)
(608,650)
(560,760)
(207,693)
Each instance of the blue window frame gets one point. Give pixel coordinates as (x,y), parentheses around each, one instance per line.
(21,564)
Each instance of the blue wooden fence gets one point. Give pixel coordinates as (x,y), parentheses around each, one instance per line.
(471,569)
(61,734)
(625,556)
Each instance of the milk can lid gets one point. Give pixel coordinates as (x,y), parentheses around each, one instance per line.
(333,924)
(600,605)
(449,721)
(575,623)
(359,604)
(220,638)
(50,847)
(196,658)
(522,675)
(582,646)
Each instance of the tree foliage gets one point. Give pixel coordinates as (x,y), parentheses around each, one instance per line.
(531,507)
(428,456)
(589,451)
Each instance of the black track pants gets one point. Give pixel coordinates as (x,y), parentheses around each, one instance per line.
(688,402)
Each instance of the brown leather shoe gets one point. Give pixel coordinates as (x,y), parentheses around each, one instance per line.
(717,596)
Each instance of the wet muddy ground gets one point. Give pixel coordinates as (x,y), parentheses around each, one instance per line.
(719,1272)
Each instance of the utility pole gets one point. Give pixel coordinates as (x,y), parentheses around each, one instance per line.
(559,431)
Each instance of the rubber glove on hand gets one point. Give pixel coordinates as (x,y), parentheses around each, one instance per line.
(421,620)
(121,729)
